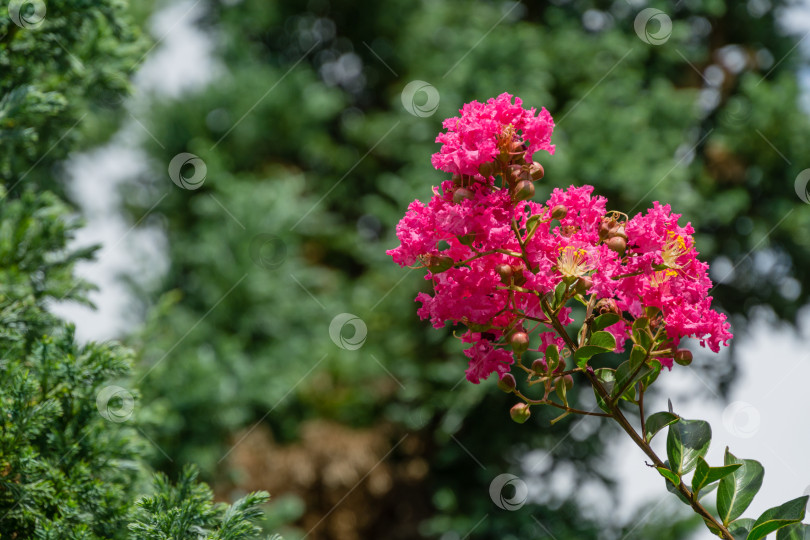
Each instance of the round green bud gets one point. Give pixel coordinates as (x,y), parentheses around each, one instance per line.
(519,342)
(507,383)
(617,244)
(569,382)
(536,171)
(683,357)
(520,412)
(559,212)
(583,284)
(505,271)
(460,194)
(467,239)
(524,190)
(486,169)
(539,366)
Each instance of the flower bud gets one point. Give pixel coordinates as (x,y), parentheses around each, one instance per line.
(569,382)
(523,190)
(518,276)
(438,263)
(475,327)
(617,244)
(559,212)
(583,284)
(520,412)
(467,239)
(519,342)
(539,366)
(607,305)
(536,171)
(462,193)
(606,227)
(505,271)
(507,383)
(619,231)
(683,357)
(486,169)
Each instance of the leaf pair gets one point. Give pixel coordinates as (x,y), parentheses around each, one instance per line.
(738,481)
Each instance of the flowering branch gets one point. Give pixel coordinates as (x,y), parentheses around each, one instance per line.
(508,260)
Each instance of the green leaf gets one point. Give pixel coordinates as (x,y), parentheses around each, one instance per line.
(603,321)
(687,440)
(627,375)
(641,333)
(637,356)
(706,475)
(642,338)
(669,475)
(600,342)
(603,339)
(559,387)
(559,292)
(608,379)
(715,530)
(736,491)
(656,422)
(655,366)
(552,357)
(672,488)
(795,531)
(583,354)
(778,517)
(740,527)
(641,323)
(531,223)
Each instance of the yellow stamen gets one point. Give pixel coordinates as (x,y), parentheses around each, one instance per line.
(662,276)
(674,248)
(573,262)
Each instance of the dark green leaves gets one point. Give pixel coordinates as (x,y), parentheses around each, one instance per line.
(552,357)
(559,293)
(600,342)
(603,321)
(737,490)
(656,422)
(630,372)
(778,517)
(641,332)
(740,528)
(796,531)
(705,475)
(687,441)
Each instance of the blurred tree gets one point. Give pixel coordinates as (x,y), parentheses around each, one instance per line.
(311,158)
(71,466)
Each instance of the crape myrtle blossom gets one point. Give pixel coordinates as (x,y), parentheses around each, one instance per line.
(485,130)
(504,266)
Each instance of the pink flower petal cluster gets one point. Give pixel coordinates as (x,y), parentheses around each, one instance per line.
(486,130)
(492,257)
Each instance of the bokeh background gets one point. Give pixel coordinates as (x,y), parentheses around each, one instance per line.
(304,129)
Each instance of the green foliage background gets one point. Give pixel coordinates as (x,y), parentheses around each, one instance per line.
(311,160)
(308,172)
(67,471)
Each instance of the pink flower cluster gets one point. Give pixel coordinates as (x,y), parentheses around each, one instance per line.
(493,256)
(478,136)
